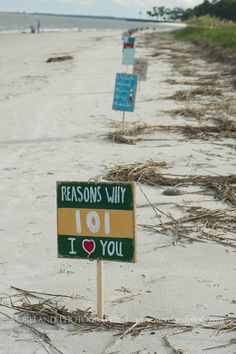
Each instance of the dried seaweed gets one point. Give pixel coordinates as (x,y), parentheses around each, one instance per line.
(139,172)
(214,81)
(125,136)
(188,111)
(51,312)
(59,59)
(211,110)
(213,225)
(148,173)
(191,94)
(223,129)
(138,128)
(118,137)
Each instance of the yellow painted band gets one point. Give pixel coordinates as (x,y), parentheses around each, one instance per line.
(96,223)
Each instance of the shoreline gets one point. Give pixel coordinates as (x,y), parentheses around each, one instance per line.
(76,29)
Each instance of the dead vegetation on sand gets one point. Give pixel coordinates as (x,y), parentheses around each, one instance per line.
(32,310)
(46,309)
(119,138)
(223,128)
(189,111)
(149,173)
(201,81)
(211,110)
(125,136)
(200,224)
(59,59)
(192,94)
(138,172)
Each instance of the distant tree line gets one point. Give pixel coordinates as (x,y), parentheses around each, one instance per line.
(163,13)
(223,9)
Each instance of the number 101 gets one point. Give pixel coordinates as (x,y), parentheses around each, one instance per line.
(93,222)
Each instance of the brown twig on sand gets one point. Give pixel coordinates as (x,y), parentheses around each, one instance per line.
(231,342)
(30,292)
(229,325)
(212,225)
(167,341)
(129,330)
(41,335)
(126,298)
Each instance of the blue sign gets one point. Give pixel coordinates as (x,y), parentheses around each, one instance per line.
(128,56)
(125,92)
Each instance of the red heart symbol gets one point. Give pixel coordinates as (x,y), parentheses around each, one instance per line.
(88,246)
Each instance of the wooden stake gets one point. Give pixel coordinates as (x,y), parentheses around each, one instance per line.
(123,124)
(100,292)
(139,84)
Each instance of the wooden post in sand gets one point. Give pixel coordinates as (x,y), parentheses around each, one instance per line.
(123,123)
(139,83)
(100,290)
(100,282)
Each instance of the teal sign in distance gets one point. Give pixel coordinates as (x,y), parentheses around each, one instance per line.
(125,92)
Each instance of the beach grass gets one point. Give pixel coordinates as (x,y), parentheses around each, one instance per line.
(209,32)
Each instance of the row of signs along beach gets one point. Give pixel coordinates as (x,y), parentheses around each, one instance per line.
(96,220)
(126,84)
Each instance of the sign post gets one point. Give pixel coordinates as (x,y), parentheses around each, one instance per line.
(123,122)
(96,221)
(100,290)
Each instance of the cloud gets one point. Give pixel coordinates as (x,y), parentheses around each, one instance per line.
(149,3)
(131,3)
(79,2)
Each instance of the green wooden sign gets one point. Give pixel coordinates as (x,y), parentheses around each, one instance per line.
(96,221)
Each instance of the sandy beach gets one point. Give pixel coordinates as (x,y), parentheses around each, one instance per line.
(54,126)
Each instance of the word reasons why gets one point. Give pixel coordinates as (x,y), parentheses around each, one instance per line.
(96,220)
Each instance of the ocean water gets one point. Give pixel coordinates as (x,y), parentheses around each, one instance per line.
(12,22)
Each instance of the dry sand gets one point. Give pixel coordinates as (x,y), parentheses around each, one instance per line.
(54,118)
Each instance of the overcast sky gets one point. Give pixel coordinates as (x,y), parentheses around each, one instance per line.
(119,8)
